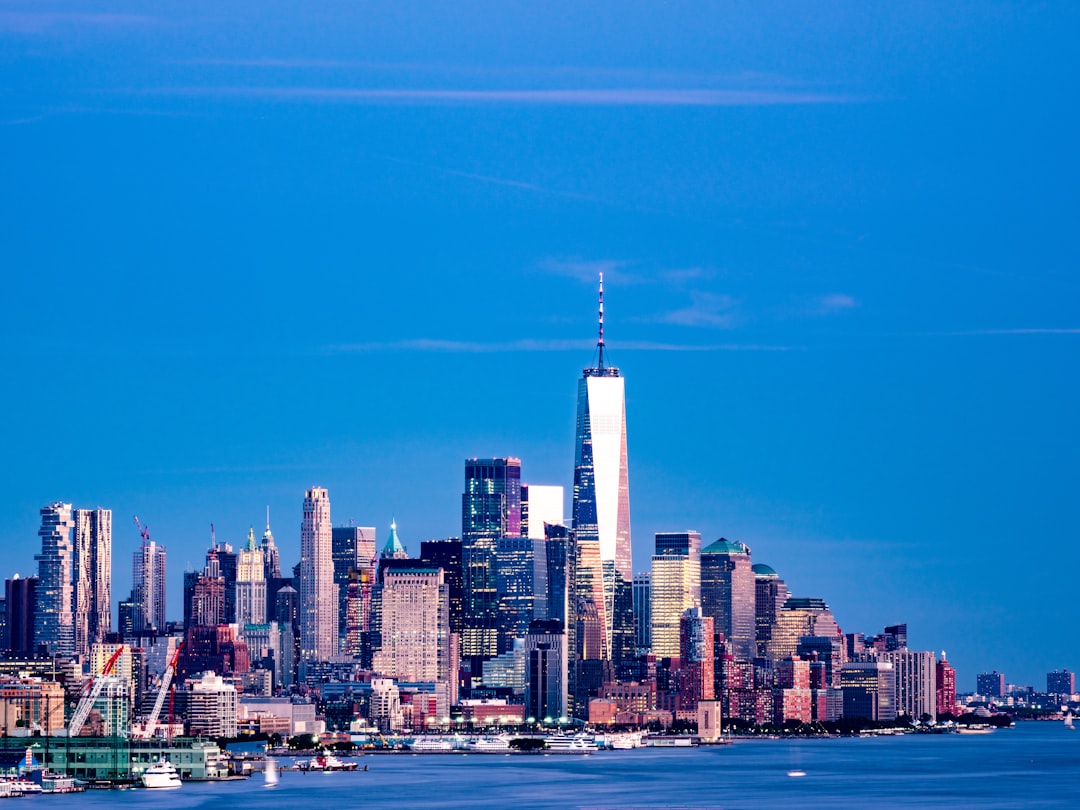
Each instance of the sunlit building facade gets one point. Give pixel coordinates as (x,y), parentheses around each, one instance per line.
(318,595)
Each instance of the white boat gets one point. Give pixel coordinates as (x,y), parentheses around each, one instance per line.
(327,763)
(24,787)
(498,744)
(563,744)
(1069,721)
(270,775)
(161,775)
(430,744)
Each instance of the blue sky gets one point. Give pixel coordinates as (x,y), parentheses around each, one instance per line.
(253,247)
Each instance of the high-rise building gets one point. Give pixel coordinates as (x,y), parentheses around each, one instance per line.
(446,554)
(271,555)
(545,671)
(20,598)
(250,584)
(148,587)
(990,684)
(643,610)
(92,575)
(798,618)
(946,687)
(540,505)
(318,596)
(54,624)
(490,509)
(770,593)
(728,595)
(415,614)
(515,585)
(696,659)
(675,587)
(916,682)
(1061,683)
(601,503)
(353,551)
(869,689)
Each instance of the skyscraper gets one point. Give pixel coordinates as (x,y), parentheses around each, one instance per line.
(515,586)
(53,619)
(21,601)
(727,595)
(675,587)
(92,574)
(643,609)
(540,505)
(148,586)
(770,593)
(490,509)
(415,624)
(318,596)
(250,584)
(271,556)
(353,549)
(601,507)
(447,555)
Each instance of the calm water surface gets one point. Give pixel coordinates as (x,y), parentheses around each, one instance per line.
(1032,765)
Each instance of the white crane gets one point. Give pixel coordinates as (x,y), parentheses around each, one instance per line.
(90,696)
(166,681)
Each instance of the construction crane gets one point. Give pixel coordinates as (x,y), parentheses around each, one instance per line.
(166,681)
(144,531)
(91,694)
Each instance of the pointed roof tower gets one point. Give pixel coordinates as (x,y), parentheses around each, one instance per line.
(394,550)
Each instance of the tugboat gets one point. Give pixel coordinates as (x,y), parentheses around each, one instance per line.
(161,775)
(325,763)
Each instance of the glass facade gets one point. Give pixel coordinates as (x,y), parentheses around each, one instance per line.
(53,619)
(490,509)
(728,595)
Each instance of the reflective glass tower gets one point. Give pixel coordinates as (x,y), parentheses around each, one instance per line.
(490,509)
(53,619)
(601,508)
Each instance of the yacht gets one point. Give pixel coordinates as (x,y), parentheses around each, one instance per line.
(161,774)
(429,744)
(577,744)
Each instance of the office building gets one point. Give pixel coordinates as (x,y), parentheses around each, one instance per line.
(545,671)
(728,595)
(54,624)
(271,555)
(415,632)
(540,505)
(869,689)
(490,509)
(250,584)
(601,502)
(514,584)
(446,554)
(801,617)
(643,610)
(353,550)
(696,659)
(770,593)
(20,598)
(92,575)
(675,587)
(212,707)
(318,596)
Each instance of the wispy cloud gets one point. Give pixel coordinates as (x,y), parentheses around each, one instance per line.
(705,309)
(528,345)
(836,302)
(38,22)
(613,97)
(1021,331)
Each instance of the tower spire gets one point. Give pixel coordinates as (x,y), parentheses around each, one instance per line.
(600,341)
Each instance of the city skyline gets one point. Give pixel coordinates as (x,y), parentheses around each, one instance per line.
(837,256)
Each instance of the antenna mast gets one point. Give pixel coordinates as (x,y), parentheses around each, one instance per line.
(600,342)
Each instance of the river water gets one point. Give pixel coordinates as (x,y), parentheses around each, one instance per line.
(1032,765)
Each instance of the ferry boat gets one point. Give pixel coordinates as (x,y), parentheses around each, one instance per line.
(161,775)
(432,744)
(489,745)
(577,744)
